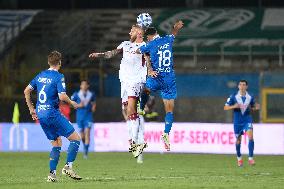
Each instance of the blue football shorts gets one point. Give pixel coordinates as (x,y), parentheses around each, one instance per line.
(84,123)
(166,86)
(55,126)
(240,129)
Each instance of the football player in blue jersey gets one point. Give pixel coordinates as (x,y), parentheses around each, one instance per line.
(50,87)
(161,71)
(84,114)
(242,103)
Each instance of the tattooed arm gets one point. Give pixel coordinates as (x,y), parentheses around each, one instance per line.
(150,70)
(107,54)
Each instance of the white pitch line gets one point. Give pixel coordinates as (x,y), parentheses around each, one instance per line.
(132,178)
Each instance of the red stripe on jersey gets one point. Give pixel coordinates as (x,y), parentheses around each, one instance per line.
(135,97)
(133,116)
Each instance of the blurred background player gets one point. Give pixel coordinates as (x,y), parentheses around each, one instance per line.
(162,77)
(50,87)
(242,103)
(84,113)
(132,75)
(150,113)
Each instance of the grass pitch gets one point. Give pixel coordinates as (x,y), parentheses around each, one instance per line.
(120,170)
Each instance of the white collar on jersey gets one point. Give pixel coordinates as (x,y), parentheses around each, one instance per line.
(156,36)
(85,99)
(243,105)
(52,69)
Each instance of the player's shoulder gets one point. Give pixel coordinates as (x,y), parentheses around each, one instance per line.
(233,95)
(250,94)
(126,43)
(74,95)
(168,36)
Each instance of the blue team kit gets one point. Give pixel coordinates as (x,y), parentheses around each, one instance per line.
(49,84)
(242,117)
(161,54)
(84,117)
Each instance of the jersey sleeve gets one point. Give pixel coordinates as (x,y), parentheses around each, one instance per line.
(252,101)
(144,48)
(61,87)
(171,38)
(230,101)
(93,99)
(120,46)
(74,97)
(32,84)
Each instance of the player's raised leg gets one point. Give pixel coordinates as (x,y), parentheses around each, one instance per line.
(169,118)
(143,100)
(250,147)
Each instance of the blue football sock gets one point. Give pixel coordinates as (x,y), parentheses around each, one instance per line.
(54,158)
(169,119)
(144,99)
(72,150)
(86,149)
(238,149)
(251,147)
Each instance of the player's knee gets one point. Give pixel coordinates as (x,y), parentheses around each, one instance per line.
(250,137)
(238,141)
(57,142)
(74,136)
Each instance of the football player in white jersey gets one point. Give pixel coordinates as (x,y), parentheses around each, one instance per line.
(132,75)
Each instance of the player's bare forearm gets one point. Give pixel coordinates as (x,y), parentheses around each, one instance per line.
(107,54)
(94,107)
(227,107)
(27,93)
(64,97)
(150,70)
(178,25)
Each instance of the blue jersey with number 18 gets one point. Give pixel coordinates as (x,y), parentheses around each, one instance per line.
(48,84)
(161,53)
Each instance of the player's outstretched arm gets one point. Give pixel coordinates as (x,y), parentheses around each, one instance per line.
(64,97)
(27,93)
(107,54)
(178,25)
(227,107)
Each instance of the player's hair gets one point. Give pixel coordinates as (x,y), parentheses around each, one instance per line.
(150,31)
(85,80)
(138,27)
(243,81)
(54,58)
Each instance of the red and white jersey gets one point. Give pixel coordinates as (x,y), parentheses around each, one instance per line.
(133,66)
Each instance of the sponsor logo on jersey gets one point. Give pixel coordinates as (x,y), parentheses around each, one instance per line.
(44,80)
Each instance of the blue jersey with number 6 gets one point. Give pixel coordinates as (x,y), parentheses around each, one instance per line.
(161,54)
(48,84)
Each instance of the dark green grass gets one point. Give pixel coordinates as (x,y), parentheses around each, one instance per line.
(120,170)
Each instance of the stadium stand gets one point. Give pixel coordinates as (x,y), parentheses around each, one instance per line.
(12,23)
(236,54)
